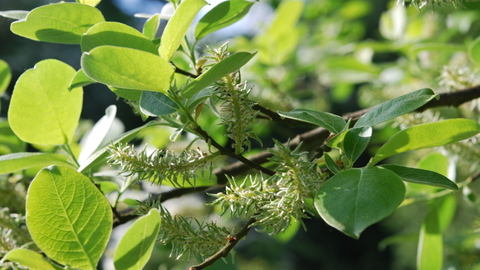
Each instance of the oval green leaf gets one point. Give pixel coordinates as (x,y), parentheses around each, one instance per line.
(127,68)
(222,15)
(156,104)
(177,27)
(58,23)
(331,164)
(30,259)
(43,110)
(426,136)
(135,247)
(116,34)
(5,76)
(150,28)
(68,217)
(420,176)
(328,121)
(20,161)
(228,65)
(357,198)
(396,107)
(356,141)
(80,80)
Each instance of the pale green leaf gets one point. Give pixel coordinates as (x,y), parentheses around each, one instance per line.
(420,176)
(357,198)
(14,14)
(150,28)
(289,233)
(135,247)
(58,23)
(474,51)
(396,107)
(68,217)
(329,121)
(177,26)
(426,136)
(356,141)
(126,93)
(228,65)
(156,104)
(5,76)
(20,161)
(222,15)
(80,80)
(116,34)
(43,110)
(30,259)
(100,155)
(89,2)
(127,68)
(107,186)
(94,138)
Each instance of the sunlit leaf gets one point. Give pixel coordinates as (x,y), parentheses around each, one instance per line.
(135,247)
(80,80)
(222,15)
(5,76)
(357,198)
(474,51)
(127,68)
(116,34)
(14,14)
(396,107)
(329,121)
(19,161)
(178,25)
(228,65)
(43,110)
(30,259)
(68,217)
(89,2)
(426,136)
(150,28)
(58,23)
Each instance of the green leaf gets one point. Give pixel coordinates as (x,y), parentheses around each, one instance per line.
(329,121)
(156,104)
(58,23)
(14,14)
(177,27)
(331,164)
(80,80)
(228,65)
(150,28)
(89,2)
(430,244)
(96,136)
(222,15)
(126,93)
(30,259)
(474,51)
(396,107)
(5,76)
(356,141)
(43,110)
(100,155)
(127,68)
(289,233)
(357,198)
(20,161)
(68,217)
(135,247)
(420,176)
(107,186)
(116,34)
(426,136)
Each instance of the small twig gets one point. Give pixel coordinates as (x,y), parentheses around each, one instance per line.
(186,73)
(222,253)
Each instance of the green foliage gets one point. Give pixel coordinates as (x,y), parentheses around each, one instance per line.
(206,113)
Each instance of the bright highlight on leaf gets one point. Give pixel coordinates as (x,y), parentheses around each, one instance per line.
(135,248)
(426,136)
(357,198)
(5,76)
(127,68)
(19,161)
(58,23)
(89,2)
(44,111)
(68,217)
(177,27)
(151,26)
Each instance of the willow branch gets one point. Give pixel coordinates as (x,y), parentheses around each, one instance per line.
(222,253)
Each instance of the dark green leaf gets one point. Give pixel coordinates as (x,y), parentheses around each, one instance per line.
(356,141)
(420,176)
(331,122)
(331,164)
(357,198)
(396,107)
(156,104)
